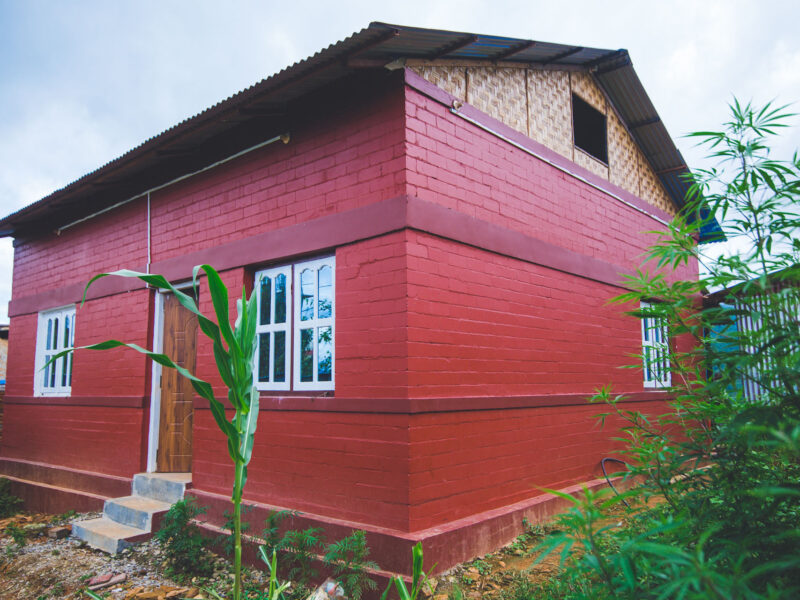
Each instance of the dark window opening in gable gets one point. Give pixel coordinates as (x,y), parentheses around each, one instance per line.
(589,129)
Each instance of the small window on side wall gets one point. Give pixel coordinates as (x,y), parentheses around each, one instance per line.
(655,348)
(55,333)
(589,129)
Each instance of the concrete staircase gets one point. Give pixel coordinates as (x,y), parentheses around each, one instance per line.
(131,519)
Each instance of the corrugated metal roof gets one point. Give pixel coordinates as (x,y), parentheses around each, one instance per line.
(170,153)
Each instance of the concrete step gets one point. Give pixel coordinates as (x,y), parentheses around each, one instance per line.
(131,519)
(107,535)
(166,487)
(135,511)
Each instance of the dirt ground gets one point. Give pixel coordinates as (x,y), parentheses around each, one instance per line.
(45,568)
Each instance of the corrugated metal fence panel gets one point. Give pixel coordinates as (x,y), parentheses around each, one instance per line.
(757,319)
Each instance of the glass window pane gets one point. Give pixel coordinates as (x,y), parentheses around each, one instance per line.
(324,354)
(306,355)
(64,371)
(55,334)
(279,373)
(66,332)
(49,334)
(69,378)
(306,295)
(52,373)
(266,300)
(325,288)
(280,298)
(263,356)
(46,372)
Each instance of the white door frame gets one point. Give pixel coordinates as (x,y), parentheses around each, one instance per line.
(155,383)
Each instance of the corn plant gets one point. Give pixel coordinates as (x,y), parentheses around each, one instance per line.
(275,589)
(418,579)
(234,352)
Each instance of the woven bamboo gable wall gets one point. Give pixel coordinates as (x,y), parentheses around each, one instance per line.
(537,102)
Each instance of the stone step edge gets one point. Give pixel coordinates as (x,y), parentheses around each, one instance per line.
(140,536)
(152,517)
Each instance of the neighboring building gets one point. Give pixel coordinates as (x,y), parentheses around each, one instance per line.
(750,321)
(435,240)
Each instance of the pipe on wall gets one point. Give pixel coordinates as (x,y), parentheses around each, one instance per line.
(284,137)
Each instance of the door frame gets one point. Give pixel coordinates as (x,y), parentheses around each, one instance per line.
(155,380)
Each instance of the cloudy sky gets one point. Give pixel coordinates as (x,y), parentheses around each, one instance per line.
(82,82)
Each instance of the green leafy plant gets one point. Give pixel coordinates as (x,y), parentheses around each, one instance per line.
(185,548)
(275,589)
(519,588)
(272,527)
(455,593)
(482,566)
(9,503)
(348,559)
(234,352)
(299,550)
(64,517)
(17,534)
(717,513)
(418,579)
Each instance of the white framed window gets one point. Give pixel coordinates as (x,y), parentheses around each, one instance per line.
(655,349)
(55,333)
(296,311)
(274,328)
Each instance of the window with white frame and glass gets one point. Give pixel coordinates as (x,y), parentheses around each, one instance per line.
(55,333)
(296,326)
(655,348)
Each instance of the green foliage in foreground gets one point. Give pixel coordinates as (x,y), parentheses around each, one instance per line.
(349,562)
(234,354)
(721,469)
(9,503)
(185,548)
(419,579)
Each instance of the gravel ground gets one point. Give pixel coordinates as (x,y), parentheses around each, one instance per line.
(47,568)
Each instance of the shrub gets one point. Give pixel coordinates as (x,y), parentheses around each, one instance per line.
(348,559)
(17,534)
(723,466)
(185,549)
(9,503)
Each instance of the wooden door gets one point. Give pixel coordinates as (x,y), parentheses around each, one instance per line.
(175,425)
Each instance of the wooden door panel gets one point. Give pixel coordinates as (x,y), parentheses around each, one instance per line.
(177,394)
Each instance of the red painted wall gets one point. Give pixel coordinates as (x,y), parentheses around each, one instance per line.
(345,155)
(117,372)
(93,438)
(111,241)
(419,317)
(372,319)
(482,324)
(344,465)
(454,163)
(464,463)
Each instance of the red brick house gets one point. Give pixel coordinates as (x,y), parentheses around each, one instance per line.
(435,221)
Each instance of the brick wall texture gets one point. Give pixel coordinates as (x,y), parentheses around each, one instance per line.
(418,316)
